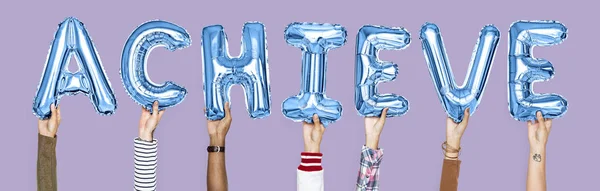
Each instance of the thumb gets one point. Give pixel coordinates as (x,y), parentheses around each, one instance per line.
(155,109)
(53,112)
(227,110)
(467,115)
(316,120)
(383,114)
(382,118)
(58,116)
(465,121)
(58,111)
(540,120)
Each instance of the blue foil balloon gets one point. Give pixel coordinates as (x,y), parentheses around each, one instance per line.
(370,71)
(250,70)
(134,61)
(456,99)
(315,40)
(524,70)
(70,39)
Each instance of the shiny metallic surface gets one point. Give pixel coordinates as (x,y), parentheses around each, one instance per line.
(222,71)
(524,70)
(315,40)
(72,39)
(134,60)
(370,71)
(456,99)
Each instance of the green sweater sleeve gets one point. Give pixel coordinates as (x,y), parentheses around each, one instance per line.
(46,164)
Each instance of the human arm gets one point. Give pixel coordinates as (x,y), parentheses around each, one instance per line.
(538,137)
(451,165)
(145,150)
(46,161)
(309,175)
(371,154)
(216,174)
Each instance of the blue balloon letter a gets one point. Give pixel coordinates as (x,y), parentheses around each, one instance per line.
(71,38)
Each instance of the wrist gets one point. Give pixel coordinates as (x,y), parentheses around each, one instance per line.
(451,150)
(47,134)
(537,150)
(312,149)
(451,156)
(372,142)
(310,162)
(217,141)
(453,143)
(146,137)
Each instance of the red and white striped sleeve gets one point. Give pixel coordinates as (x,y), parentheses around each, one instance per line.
(310,172)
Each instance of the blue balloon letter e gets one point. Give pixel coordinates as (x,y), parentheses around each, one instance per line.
(524,69)
(370,71)
(71,38)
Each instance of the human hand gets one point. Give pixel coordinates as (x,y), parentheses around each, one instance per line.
(217,130)
(373,128)
(454,133)
(149,122)
(49,127)
(538,133)
(313,133)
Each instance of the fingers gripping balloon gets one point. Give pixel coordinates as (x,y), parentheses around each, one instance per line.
(456,99)
(315,40)
(370,71)
(70,39)
(250,70)
(524,70)
(134,61)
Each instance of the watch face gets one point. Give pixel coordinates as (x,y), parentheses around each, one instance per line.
(213,149)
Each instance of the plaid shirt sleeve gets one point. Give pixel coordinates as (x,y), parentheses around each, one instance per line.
(368,175)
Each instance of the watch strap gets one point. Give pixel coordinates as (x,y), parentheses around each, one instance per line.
(212,149)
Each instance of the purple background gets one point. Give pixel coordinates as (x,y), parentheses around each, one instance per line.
(96,152)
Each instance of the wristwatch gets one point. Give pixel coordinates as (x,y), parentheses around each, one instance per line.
(212,149)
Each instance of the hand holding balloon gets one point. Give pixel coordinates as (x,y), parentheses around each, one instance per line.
(313,134)
(49,127)
(454,133)
(373,129)
(149,121)
(217,129)
(538,133)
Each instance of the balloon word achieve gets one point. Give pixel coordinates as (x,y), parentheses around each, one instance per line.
(315,40)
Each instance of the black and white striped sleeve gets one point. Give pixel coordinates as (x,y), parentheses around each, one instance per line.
(145,160)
